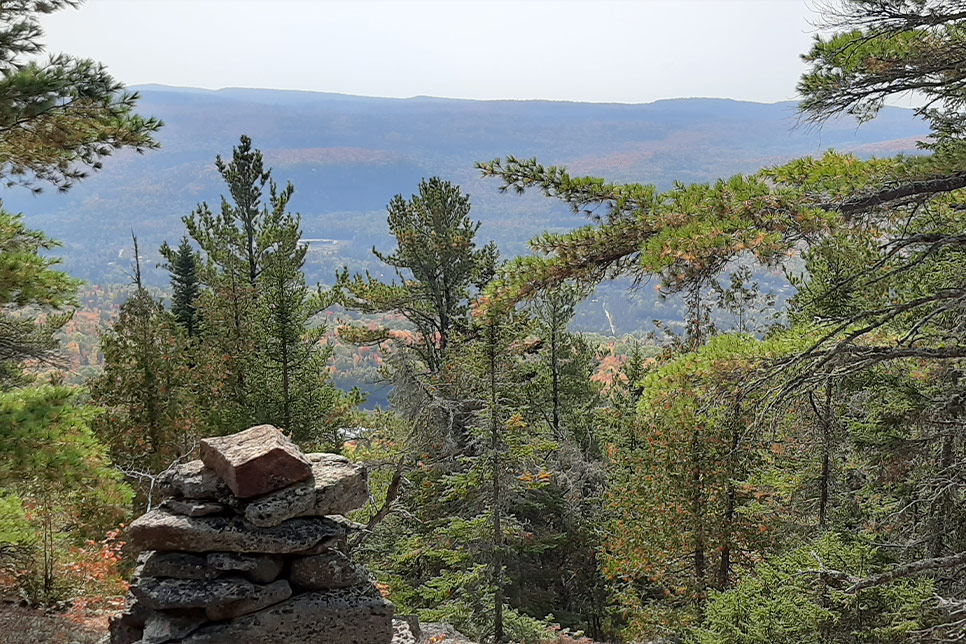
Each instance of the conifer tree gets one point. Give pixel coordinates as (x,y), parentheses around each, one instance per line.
(260,357)
(291,367)
(59,117)
(438,266)
(184,266)
(564,377)
(30,285)
(146,389)
(237,245)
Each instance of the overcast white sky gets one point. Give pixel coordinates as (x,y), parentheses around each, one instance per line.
(631,51)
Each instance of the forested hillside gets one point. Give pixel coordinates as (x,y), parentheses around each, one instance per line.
(348,155)
(765,468)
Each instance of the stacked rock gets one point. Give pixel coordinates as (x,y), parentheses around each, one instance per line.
(250,546)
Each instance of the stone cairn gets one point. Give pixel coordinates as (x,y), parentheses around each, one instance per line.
(249,547)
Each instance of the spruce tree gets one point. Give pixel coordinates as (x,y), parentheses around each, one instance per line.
(183,265)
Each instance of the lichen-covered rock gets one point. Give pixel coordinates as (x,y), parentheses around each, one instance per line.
(221,598)
(193,507)
(127,626)
(261,569)
(402,633)
(340,485)
(191,480)
(170,626)
(346,616)
(256,461)
(162,530)
(272,509)
(336,486)
(328,570)
(181,565)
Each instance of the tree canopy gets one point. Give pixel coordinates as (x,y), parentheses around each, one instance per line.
(59,116)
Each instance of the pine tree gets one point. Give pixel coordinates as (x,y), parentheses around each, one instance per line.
(61,116)
(51,463)
(438,266)
(241,238)
(237,245)
(292,365)
(29,285)
(258,356)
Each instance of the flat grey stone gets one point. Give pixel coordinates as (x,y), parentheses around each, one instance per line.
(346,616)
(170,626)
(328,570)
(337,486)
(267,595)
(192,480)
(256,461)
(181,565)
(193,507)
(340,485)
(162,530)
(294,501)
(261,569)
(220,598)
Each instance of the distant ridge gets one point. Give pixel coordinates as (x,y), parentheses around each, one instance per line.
(253,92)
(348,155)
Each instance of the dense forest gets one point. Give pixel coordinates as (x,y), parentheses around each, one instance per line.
(773,468)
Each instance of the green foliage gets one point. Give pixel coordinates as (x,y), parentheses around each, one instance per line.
(48,446)
(437,263)
(61,116)
(253,345)
(799,597)
(239,241)
(53,467)
(184,266)
(146,388)
(292,359)
(32,293)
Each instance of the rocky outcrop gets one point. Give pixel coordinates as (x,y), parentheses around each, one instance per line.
(250,547)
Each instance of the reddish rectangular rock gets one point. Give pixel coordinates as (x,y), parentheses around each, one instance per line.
(256,461)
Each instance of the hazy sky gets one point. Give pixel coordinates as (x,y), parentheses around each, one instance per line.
(590,50)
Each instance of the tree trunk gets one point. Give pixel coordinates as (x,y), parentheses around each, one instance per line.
(697,500)
(496,499)
(724,564)
(555,375)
